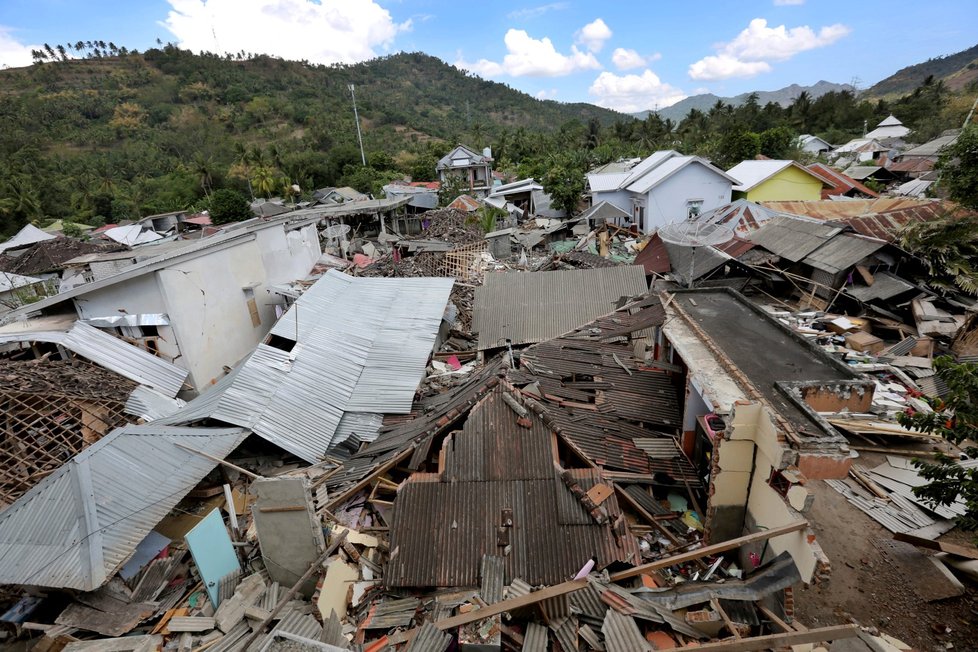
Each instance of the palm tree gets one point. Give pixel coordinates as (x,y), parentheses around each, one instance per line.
(948,247)
(263,180)
(201,166)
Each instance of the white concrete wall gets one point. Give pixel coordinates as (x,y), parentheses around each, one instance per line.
(620,198)
(288,255)
(208,309)
(666,203)
(137,296)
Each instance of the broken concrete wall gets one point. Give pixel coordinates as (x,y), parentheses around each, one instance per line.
(838,397)
(742,498)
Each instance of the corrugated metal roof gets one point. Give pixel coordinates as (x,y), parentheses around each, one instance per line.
(752,173)
(841,183)
(110,352)
(885,286)
(78,525)
(934,147)
(360,345)
(28,235)
(621,634)
(442,529)
(605,211)
(742,215)
(525,307)
(644,183)
(430,639)
(535,638)
(148,404)
(793,239)
(843,252)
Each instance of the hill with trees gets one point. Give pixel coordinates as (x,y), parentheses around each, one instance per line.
(111,135)
(958,70)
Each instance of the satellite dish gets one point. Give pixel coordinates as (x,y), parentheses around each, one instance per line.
(695,234)
(336,232)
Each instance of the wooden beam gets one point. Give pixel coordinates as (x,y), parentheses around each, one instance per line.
(774,641)
(253,476)
(381,470)
(726,619)
(508,605)
(773,617)
(699,553)
(968,552)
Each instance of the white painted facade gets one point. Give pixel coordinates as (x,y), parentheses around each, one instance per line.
(694,188)
(207,295)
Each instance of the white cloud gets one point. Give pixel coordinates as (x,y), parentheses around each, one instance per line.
(545,94)
(321,32)
(628,59)
(724,67)
(632,93)
(751,51)
(593,35)
(530,57)
(14,54)
(528,13)
(785,3)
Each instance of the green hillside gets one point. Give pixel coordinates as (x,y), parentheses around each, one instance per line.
(959,70)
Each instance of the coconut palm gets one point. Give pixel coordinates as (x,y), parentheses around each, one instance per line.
(949,248)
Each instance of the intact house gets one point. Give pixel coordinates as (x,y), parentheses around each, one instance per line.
(770,180)
(889,128)
(813,144)
(202,306)
(474,169)
(664,188)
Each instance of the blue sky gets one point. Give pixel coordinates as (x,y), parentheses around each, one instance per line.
(624,55)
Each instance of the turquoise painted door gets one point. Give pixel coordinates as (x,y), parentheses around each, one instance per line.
(210,546)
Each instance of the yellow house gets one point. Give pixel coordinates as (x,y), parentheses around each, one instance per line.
(768,180)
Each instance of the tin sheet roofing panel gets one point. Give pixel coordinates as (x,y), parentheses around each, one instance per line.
(792,238)
(525,307)
(77,526)
(843,252)
(358,345)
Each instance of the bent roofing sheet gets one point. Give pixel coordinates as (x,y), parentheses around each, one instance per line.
(110,352)
(360,345)
(525,307)
(27,235)
(842,252)
(77,526)
(793,239)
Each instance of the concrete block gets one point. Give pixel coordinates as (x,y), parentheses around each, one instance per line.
(800,498)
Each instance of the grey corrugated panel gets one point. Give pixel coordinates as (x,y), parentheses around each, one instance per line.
(903,347)
(233,639)
(430,639)
(78,525)
(363,426)
(517,588)
(843,251)
(362,347)
(659,447)
(566,633)
(621,634)
(149,404)
(492,576)
(125,359)
(532,307)
(392,613)
(792,238)
(535,638)
(301,625)
(885,286)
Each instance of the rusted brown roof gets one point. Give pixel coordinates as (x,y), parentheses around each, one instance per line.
(841,183)
(496,469)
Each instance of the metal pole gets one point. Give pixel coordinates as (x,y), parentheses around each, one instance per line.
(356,115)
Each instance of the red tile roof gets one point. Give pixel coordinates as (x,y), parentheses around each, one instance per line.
(654,257)
(841,184)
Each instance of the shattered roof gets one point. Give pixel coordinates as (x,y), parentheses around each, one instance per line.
(76,527)
(51,255)
(355,345)
(444,524)
(604,211)
(742,215)
(885,286)
(793,238)
(843,252)
(523,308)
(103,349)
(29,234)
(878,218)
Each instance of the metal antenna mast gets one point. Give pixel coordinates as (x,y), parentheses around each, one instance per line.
(356,116)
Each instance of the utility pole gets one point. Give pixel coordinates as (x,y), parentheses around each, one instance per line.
(356,116)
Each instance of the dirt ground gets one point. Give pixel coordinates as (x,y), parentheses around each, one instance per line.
(866,588)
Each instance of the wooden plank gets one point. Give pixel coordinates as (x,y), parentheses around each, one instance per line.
(773,641)
(599,493)
(773,617)
(726,619)
(968,552)
(699,553)
(513,603)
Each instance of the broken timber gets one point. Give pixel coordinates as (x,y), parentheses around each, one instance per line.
(699,553)
(776,641)
(967,552)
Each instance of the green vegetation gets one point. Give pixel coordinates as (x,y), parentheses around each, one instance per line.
(118,135)
(228,205)
(949,248)
(954,418)
(959,168)
(960,69)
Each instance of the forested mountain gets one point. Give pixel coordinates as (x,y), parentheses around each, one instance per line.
(958,71)
(783,96)
(114,135)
